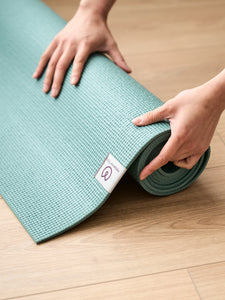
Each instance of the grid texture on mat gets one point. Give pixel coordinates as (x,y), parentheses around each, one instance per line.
(51,149)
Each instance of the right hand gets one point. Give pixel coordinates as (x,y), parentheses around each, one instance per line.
(85,33)
(193,116)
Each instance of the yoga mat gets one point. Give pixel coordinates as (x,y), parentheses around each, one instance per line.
(61,159)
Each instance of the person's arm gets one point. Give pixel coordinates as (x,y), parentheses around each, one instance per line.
(193,116)
(85,33)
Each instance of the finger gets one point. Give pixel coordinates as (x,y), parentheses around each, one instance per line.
(50,70)
(44,59)
(153,116)
(165,155)
(78,64)
(189,162)
(61,68)
(119,59)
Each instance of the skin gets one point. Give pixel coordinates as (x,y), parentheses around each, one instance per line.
(193,114)
(85,33)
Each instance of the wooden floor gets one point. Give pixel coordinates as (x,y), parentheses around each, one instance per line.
(138,246)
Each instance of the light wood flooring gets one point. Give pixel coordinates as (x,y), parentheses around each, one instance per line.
(139,246)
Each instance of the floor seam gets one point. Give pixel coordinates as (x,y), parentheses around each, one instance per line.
(113,280)
(195,285)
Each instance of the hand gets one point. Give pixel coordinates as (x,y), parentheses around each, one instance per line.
(85,33)
(193,116)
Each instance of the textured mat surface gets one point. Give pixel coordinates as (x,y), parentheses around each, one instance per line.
(52,174)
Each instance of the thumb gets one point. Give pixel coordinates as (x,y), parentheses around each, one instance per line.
(156,115)
(118,59)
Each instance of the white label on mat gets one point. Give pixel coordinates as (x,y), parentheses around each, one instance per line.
(110,173)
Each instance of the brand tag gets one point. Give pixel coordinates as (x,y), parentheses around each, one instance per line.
(110,173)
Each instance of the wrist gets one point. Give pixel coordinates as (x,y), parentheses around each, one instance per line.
(96,8)
(215,89)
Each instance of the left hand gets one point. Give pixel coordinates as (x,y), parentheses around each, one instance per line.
(85,33)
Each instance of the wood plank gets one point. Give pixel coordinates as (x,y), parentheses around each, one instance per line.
(210,281)
(166,74)
(171,285)
(171,45)
(217,157)
(143,26)
(149,26)
(133,234)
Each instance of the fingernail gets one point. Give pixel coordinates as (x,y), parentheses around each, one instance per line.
(73,80)
(45,88)
(137,121)
(54,92)
(128,69)
(34,75)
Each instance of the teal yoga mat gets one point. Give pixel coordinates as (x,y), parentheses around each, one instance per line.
(60,159)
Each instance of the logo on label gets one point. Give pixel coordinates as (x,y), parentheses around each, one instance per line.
(106,173)
(109,173)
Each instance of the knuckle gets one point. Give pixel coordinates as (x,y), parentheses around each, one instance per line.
(61,66)
(52,63)
(149,115)
(163,158)
(150,168)
(71,44)
(80,59)
(86,42)
(62,41)
(152,115)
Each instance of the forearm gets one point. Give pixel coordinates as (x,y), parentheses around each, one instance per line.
(216,90)
(100,7)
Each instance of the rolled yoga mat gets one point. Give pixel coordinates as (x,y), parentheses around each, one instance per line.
(60,159)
